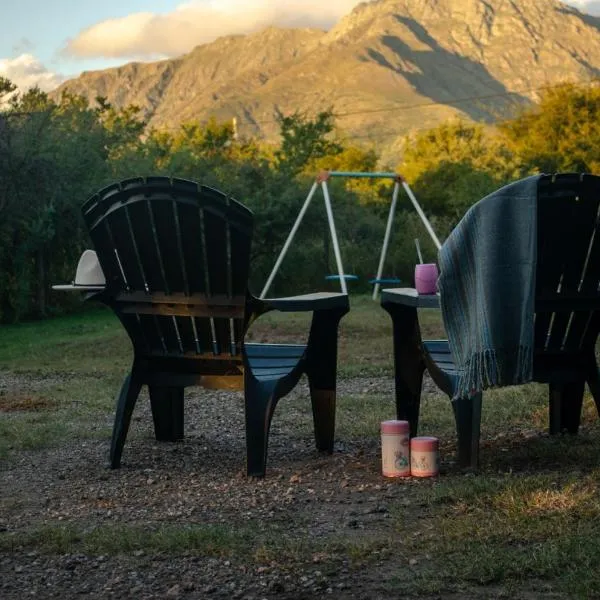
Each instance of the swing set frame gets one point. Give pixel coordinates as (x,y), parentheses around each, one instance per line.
(321,180)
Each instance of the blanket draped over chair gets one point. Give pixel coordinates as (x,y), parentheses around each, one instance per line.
(487,287)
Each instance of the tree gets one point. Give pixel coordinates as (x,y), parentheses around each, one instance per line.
(304,140)
(562,133)
(52,156)
(452,166)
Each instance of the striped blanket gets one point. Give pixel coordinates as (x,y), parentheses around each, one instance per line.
(487,288)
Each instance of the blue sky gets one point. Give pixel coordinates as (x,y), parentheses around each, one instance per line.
(43,42)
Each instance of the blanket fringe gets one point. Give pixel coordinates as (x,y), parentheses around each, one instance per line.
(491,368)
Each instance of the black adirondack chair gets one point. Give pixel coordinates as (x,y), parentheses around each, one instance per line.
(176,258)
(567,319)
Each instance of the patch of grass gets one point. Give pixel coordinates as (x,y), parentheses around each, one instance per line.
(31,431)
(92,341)
(77,404)
(248,543)
(488,530)
(208,540)
(360,416)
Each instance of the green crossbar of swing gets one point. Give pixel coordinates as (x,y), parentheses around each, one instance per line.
(363,175)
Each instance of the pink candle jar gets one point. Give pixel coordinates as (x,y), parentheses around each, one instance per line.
(426,276)
(424,456)
(395,448)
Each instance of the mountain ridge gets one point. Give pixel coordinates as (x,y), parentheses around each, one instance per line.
(377,62)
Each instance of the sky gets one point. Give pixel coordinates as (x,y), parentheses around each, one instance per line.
(44,42)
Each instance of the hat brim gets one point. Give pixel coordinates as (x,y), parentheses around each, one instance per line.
(79,288)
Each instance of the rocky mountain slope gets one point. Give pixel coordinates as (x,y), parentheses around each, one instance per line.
(386,68)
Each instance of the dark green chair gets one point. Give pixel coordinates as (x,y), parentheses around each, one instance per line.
(176,256)
(567,319)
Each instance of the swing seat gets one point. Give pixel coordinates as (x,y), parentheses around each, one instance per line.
(385,281)
(337,277)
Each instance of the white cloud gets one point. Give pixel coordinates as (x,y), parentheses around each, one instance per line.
(26,71)
(588,6)
(149,35)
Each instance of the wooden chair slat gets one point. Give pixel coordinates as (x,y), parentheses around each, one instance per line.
(102,240)
(144,230)
(193,249)
(170,334)
(186,333)
(273,350)
(216,240)
(164,209)
(205,338)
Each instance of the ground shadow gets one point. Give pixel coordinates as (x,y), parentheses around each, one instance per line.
(447,77)
(541,453)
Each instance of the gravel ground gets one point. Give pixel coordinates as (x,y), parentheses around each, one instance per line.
(306,495)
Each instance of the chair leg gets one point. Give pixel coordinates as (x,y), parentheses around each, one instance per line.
(259,407)
(323,409)
(467,413)
(594,385)
(408,362)
(321,370)
(167,412)
(566,400)
(593,381)
(128,395)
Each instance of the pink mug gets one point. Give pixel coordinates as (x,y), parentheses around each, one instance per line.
(426,277)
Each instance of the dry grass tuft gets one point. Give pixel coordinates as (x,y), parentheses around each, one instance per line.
(20,402)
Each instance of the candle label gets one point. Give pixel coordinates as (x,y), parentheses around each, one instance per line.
(395,450)
(424,463)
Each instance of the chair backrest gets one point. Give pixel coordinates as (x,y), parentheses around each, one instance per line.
(176,256)
(567,316)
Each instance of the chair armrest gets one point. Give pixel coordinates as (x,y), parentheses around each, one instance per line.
(92,292)
(303,303)
(78,288)
(410,297)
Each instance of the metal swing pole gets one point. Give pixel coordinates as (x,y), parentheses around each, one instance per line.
(386,239)
(421,214)
(290,238)
(334,239)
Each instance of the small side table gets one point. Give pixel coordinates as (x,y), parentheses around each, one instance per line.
(409,363)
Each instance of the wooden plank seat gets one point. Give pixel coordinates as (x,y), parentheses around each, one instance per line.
(439,353)
(272,361)
(176,255)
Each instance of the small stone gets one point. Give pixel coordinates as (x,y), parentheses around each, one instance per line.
(174,592)
(276,587)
